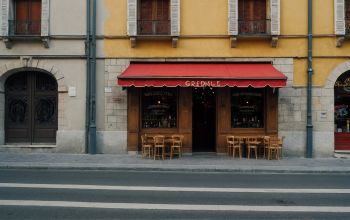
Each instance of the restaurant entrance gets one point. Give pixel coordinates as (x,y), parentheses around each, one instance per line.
(204,120)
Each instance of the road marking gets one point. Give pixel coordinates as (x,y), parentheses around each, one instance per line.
(182,207)
(174,189)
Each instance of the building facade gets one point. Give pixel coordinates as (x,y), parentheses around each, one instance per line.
(251,44)
(230,32)
(42,76)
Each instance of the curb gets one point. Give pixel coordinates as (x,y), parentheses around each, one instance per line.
(142,168)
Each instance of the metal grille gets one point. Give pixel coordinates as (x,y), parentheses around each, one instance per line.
(24,27)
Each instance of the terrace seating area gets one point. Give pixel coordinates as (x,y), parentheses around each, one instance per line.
(268,147)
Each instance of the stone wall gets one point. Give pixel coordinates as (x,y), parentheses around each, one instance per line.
(113,139)
(71,110)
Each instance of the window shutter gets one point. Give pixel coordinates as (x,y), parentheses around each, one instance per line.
(175,17)
(45,18)
(275,17)
(4,22)
(233,17)
(339,17)
(132,17)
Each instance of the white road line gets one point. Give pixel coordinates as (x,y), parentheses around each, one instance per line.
(179,207)
(174,189)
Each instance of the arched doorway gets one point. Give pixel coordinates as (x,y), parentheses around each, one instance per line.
(31,108)
(342,112)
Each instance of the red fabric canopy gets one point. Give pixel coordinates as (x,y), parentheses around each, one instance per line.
(257,75)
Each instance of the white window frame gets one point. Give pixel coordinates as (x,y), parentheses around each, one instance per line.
(7,13)
(132,10)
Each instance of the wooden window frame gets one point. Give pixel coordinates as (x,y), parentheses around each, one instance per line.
(158,130)
(264,94)
(155,23)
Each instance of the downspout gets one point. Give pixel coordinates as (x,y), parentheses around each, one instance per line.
(92,78)
(87,53)
(309,126)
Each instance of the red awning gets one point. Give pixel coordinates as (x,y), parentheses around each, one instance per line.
(257,75)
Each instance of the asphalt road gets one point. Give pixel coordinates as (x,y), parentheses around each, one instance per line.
(55,194)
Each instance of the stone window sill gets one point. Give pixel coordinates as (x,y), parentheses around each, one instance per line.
(9,40)
(134,39)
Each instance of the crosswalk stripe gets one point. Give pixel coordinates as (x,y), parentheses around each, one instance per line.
(178,207)
(175,189)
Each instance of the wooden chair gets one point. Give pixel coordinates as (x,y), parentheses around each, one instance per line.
(237,147)
(266,143)
(280,145)
(273,149)
(176,147)
(159,146)
(147,147)
(229,141)
(252,146)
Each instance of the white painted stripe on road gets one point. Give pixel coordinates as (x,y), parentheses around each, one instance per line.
(176,207)
(174,189)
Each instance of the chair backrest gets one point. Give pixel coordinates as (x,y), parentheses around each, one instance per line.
(274,141)
(143,140)
(237,140)
(230,139)
(280,141)
(158,140)
(177,139)
(252,139)
(266,140)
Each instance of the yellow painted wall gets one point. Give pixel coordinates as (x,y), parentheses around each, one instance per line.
(204,35)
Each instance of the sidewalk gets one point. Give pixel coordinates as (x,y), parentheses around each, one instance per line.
(202,163)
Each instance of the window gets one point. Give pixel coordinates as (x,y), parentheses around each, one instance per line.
(159,108)
(252,17)
(347,17)
(247,108)
(342,103)
(27,18)
(154,17)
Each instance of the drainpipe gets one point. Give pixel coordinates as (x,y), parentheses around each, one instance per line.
(309,126)
(87,54)
(91,76)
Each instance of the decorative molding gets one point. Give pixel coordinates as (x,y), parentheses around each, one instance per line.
(174,41)
(233,40)
(274,41)
(46,42)
(334,75)
(133,42)
(26,62)
(8,43)
(340,40)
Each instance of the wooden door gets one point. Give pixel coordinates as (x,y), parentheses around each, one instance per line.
(30,108)
(204,120)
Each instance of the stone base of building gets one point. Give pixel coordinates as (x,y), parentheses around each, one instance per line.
(111,142)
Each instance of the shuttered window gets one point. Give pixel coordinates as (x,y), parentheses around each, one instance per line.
(153,17)
(252,17)
(27,17)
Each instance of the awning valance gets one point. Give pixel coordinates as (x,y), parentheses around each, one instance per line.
(257,75)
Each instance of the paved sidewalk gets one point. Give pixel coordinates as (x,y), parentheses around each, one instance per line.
(202,163)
